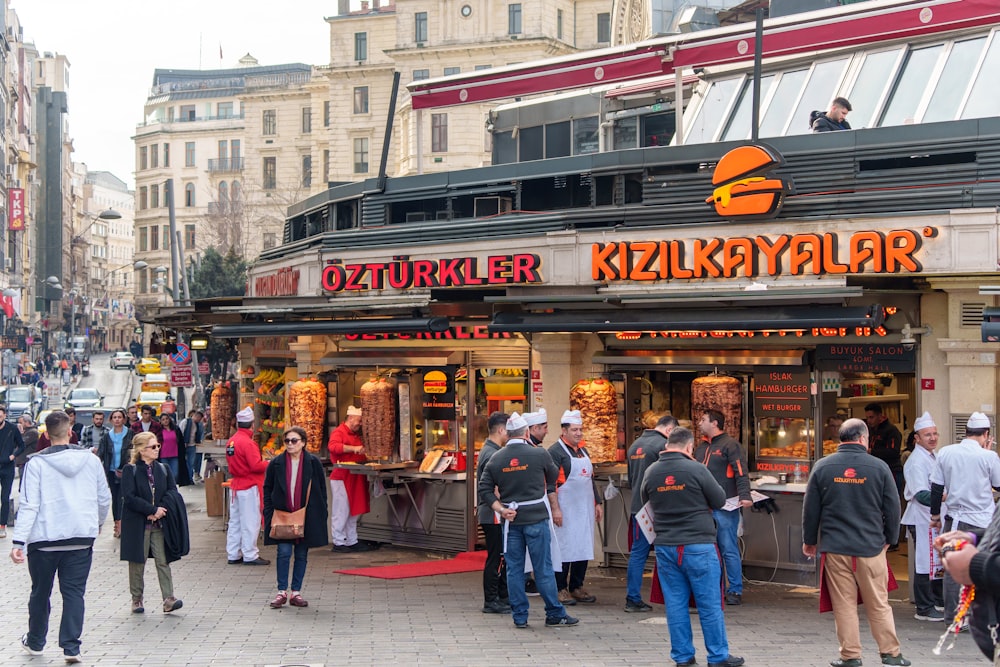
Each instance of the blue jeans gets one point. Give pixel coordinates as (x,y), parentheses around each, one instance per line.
(536,538)
(298,570)
(172,465)
(683,571)
(636,563)
(729,544)
(193,460)
(73,568)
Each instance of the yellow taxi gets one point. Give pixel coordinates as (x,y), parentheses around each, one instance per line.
(155,399)
(147,365)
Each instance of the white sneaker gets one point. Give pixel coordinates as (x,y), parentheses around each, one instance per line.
(27,649)
(3,531)
(73,659)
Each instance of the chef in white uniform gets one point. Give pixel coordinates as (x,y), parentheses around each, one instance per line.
(581,508)
(967,472)
(927,595)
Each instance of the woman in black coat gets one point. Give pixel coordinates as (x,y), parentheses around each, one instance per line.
(291,479)
(115,452)
(145,481)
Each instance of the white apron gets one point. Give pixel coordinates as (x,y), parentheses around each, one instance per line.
(576,500)
(917,473)
(553,542)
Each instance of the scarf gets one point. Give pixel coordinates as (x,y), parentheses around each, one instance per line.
(293,497)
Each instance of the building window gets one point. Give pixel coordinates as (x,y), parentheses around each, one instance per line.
(189,195)
(559,24)
(221,205)
(451,71)
(514,19)
(154,237)
(166,155)
(154,156)
(307,171)
(326,165)
(143,157)
(270,122)
(361,156)
(439,132)
(307,120)
(188,153)
(234,197)
(143,198)
(234,150)
(420,27)
(270,173)
(421,74)
(154,196)
(361,46)
(270,239)
(361,99)
(143,239)
(225,110)
(143,285)
(188,237)
(166,237)
(482,67)
(187,113)
(326,113)
(604,27)
(223,150)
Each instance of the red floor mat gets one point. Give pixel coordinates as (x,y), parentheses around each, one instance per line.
(469,561)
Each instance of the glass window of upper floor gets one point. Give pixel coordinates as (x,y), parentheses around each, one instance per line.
(887,86)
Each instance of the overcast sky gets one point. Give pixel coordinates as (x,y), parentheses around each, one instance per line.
(113,47)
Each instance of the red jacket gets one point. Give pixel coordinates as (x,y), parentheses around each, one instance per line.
(246,467)
(356,485)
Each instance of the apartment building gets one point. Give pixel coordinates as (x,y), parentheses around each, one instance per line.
(422,40)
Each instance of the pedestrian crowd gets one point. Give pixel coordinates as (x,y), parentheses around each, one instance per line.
(538,507)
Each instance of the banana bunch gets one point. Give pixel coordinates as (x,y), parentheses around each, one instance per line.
(269,376)
(509,372)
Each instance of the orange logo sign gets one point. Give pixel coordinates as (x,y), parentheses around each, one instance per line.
(743,183)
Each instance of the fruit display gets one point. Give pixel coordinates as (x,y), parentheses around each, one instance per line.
(505,382)
(221,410)
(273,447)
(597,402)
(307,408)
(718,392)
(378,418)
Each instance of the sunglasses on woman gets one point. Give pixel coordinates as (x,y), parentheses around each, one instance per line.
(153,447)
(292,441)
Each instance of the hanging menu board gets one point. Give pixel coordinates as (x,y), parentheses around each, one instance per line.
(781,392)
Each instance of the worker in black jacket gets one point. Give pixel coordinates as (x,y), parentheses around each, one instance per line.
(851,511)
(682,495)
(833,120)
(728,465)
(11,446)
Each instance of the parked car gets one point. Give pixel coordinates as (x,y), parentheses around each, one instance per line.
(122,360)
(147,365)
(23,398)
(84,397)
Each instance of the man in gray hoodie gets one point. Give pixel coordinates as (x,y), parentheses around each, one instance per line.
(58,534)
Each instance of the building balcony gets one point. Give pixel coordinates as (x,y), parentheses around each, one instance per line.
(224,165)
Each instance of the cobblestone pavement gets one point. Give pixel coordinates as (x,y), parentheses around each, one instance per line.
(426,621)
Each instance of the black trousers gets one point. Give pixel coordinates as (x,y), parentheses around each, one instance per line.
(495,570)
(572,575)
(927,593)
(73,568)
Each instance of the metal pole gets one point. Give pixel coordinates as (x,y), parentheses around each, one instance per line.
(174,267)
(388,131)
(758,54)
(196,399)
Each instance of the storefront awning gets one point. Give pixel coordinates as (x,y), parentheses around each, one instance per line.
(329,327)
(746,319)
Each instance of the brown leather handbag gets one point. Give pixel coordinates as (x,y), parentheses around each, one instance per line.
(290,525)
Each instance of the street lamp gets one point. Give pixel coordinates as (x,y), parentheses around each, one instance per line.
(107,214)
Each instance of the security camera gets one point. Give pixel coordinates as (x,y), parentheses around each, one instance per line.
(907,341)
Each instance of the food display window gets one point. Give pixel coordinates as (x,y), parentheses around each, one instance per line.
(781,438)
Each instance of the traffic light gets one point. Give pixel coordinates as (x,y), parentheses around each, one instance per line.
(991,325)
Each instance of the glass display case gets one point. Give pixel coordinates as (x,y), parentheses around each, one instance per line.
(784,445)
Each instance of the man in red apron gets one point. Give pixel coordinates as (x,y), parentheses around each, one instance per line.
(348,491)
(581,508)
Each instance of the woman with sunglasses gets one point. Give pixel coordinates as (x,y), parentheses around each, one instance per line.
(295,479)
(145,482)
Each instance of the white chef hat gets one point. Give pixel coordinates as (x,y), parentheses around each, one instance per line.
(535,418)
(923,421)
(516,422)
(245,415)
(978,420)
(571,417)
(353,411)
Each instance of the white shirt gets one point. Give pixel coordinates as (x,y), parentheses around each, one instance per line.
(917,472)
(968,472)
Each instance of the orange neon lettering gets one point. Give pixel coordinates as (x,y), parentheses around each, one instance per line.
(772,250)
(623,260)
(738,252)
(601,267)
(642,266)
(704,263)
(830,264)
(663,259)
(804,249)
(866,247)
(899,246)
(677,269)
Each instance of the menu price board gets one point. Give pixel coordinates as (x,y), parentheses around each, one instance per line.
(781,392)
